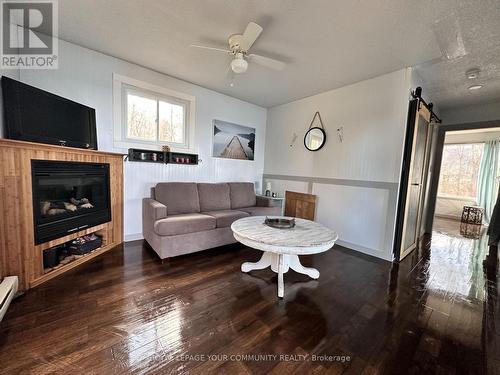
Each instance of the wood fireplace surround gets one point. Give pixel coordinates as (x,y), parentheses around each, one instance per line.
(20,254)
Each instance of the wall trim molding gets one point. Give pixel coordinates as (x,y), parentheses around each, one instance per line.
(365,250)
(132,237)
(449,217)
(393,186)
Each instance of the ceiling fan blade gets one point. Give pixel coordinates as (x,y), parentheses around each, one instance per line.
(267,62)
(250,35)
(211,48)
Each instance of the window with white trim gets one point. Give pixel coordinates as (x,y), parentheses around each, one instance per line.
(460,170)
(149,116)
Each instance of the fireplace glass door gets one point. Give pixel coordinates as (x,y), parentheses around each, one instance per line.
(68,196)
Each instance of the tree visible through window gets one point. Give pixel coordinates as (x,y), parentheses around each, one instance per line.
(154,119)
(141,118)
(460,170)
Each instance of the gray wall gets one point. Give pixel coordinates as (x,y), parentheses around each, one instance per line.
(469,114)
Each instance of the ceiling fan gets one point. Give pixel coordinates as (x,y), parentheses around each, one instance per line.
(239,45)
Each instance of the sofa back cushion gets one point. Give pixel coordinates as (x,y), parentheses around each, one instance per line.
(242,194)
(214,197)
(179,197)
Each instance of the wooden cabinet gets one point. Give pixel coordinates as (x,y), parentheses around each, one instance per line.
(19,256)
(300,205)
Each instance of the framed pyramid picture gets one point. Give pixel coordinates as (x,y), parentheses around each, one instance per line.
(232,141)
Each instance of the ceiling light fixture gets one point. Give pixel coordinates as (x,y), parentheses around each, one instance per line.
(475,87)
(472,73)
(239,64)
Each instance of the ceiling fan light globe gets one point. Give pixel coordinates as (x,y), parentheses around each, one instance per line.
(239,66)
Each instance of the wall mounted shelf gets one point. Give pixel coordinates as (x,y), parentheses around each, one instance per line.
(147,156)
(153,156)
(181,158)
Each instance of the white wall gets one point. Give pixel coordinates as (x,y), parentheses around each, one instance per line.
(451,208)
(86,77)
(356,181)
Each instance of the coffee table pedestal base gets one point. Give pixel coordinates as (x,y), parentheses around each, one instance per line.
(280,263)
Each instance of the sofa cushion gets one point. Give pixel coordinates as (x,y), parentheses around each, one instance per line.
(242,194)
(183,224)
(225,218)
(214,197)
(179,197)
(262,211)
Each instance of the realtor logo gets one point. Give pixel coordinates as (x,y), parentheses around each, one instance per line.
(29,34)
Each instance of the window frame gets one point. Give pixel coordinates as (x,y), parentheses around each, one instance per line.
(457,197)
(122,86)
(128,89)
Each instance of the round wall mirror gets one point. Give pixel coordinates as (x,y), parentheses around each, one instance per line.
(314,139)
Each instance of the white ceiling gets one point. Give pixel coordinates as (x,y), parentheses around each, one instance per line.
(327,43)
(477,23)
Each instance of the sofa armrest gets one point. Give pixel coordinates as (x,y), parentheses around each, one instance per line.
(152,209)
(264,201)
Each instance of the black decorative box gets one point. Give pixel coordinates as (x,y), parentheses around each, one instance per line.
(51,256)
(85,244)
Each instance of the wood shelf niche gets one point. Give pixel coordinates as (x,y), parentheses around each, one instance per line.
(18,253)
(84,258)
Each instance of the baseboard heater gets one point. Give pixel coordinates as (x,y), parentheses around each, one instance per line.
(8,288)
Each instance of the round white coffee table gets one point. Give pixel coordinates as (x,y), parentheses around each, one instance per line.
(282,247)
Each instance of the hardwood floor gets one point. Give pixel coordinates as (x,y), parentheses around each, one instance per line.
(125,312)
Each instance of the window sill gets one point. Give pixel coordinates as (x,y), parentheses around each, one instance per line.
(455,198)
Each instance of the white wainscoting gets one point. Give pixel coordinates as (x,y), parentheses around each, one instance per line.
(361,212)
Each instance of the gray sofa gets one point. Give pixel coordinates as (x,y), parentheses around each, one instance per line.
(185,217)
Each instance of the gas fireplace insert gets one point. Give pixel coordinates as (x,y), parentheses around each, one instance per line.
(68,197)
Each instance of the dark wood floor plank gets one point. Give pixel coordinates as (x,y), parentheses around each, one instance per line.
(126,312)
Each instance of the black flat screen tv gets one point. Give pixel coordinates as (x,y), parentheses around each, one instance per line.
(36,115)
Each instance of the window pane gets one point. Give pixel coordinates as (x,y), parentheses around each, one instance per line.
(460,170)
(141,123)
(171,117)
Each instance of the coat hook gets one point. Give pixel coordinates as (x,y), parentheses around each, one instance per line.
(340,133)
